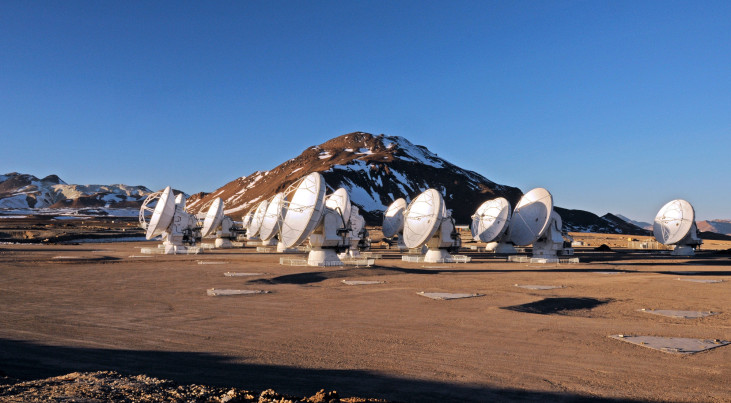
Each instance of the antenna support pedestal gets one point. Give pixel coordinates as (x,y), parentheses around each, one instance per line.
(437,256)
(319,256)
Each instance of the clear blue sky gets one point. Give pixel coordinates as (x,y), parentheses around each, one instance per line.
(614,106)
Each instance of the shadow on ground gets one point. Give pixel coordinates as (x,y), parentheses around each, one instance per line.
(25,360)
(558,306)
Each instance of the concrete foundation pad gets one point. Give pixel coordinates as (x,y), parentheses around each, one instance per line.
(679,314)
(362,282)
(213,292)
(233,274)
(676,345)
(539,287)
(700,280)
(447,295)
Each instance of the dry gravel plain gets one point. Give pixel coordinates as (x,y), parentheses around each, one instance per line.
(94,307)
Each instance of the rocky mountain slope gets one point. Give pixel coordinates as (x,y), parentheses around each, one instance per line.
(641,224)
(22,191)
(717,226)
(379,169)
(374,169)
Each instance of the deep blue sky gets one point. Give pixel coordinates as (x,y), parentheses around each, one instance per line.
(613,106)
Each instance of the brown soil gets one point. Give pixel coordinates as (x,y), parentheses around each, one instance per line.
(87,308)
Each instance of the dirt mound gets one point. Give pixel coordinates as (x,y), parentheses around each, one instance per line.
(111,386)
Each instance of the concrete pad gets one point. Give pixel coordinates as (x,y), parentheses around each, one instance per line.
(232,274)
(677,345)
(699,280)
(213,292)
(539,287)
(447,295)
(679,314)
(211,262)
(607,272)
(362,282)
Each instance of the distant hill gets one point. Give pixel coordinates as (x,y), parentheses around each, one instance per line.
(641,224)
(717,226)
(22,191)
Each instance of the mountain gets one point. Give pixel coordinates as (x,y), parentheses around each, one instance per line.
(584,221)
(379,169)
(20,191)
(641,224)
(717,226)
(375,170)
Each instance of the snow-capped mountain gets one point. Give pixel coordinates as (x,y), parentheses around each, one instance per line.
(23,191)
(375,170)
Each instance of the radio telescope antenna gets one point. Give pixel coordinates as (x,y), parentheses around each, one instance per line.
(358,234)
(309,216)
(219,224)
(179,229)
(393,222)
(675,225)
(428,222)
(535,222)
(214,216)
(490,224)
(252,231)
(272,219)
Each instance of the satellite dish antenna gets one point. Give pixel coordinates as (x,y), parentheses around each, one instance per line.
(428,222)
(179,229)
(252,231)
(490,224)
(246,219)
(535,222)
(309,216)
(675,225)
(214,216)
(215,222)
(272,219)
(393,222)
(358,234)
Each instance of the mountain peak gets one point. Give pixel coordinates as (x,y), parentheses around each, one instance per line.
(374,169)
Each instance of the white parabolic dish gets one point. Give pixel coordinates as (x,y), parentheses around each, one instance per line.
(270,222)
(673,222)
(213,217)
(339,201)
(163,214)
(531,216)
(255,225)
(422,218)
(393,218)
(304,211)
(491,219)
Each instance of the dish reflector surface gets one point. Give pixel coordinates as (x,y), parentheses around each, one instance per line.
(340,202)
(673,222)
(422,218)
(393,218)
(531,216)
(270,223)
(304,210)
(163,214)
(258,217)
(491,219)
(213,217)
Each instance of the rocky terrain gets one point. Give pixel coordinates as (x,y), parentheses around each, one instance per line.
(23,191)
(110,386)
(374,169)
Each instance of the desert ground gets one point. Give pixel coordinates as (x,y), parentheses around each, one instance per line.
(105,306)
